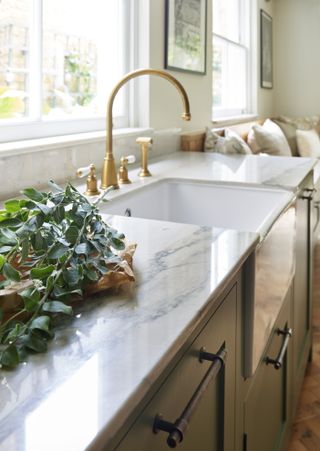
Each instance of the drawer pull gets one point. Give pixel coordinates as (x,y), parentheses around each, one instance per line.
(308,193)
(177,429)
(278,362)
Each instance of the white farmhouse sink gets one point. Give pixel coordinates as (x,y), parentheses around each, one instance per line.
(269,212)
(203,203)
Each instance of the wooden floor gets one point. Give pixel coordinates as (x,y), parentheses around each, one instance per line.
(306,428)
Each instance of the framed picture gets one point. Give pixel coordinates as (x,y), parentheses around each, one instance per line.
(266,50)
(185,45)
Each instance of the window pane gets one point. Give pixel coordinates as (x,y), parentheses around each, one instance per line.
(226,19)
(14,58)
(229,76)
(82,56)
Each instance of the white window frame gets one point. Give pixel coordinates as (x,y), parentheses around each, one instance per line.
(37,126)
(247,14)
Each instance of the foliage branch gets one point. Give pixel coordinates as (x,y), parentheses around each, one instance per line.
(59,243)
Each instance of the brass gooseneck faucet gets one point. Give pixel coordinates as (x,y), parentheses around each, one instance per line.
(109,176)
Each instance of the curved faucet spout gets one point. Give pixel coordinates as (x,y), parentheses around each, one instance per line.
(109,176)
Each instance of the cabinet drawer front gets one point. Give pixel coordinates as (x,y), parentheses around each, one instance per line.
(214,414)
(266,406)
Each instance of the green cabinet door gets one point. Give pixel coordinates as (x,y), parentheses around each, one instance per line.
(267,405)
(211,427)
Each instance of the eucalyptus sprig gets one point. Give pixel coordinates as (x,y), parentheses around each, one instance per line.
(59,242)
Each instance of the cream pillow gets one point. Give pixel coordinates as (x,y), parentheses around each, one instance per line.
(228,133)
(308,143)
(268,138)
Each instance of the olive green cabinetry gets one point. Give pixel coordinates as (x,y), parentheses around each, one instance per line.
(267,403)
(211,421)
(302,296)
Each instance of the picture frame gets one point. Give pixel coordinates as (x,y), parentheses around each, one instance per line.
(186,35)
(266,67)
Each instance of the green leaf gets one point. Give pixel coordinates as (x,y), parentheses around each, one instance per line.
(91,274)
(57,307)
(64,293)
(72,234)
(117,244)
(10,222)
(7,237)
(45,210)
(59,213)
(33,194)
(42,323)
(10,273)
(31,298)
(35,342)
(14,333)
(24,250)
(9,357)
(71,276)
(57,251)
(5,249)
(12,205)
(38,242)
(41,272)
(2,261)
(83,248)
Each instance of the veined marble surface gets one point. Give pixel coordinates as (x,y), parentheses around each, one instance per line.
(101,364)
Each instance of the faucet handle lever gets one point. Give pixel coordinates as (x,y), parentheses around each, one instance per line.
(123,171)
(92,186)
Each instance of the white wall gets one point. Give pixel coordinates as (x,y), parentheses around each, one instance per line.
(297,62)
(164,107)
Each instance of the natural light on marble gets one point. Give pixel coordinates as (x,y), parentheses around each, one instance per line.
(64,415)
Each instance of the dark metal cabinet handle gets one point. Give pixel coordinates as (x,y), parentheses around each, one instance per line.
(308,193)
(177,429)
(278,362)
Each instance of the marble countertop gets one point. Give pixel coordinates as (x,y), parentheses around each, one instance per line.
(251,170)
(103,362)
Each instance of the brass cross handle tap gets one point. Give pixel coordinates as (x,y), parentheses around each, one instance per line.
(92,186)
(145,143)
(123,171)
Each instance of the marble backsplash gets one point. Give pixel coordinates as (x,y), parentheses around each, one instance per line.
(42,160)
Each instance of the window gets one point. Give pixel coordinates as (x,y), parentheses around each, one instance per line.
(231,58)
(58,62)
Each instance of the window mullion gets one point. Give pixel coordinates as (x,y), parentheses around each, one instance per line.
(35,64)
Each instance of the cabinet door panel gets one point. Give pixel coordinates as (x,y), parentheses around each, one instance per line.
(211,426)
(267,405)
(302,300)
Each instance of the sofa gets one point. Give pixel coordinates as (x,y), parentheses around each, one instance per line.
(279,136)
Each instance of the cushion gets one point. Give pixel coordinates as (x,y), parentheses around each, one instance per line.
(308,143)
(303,123)
(228,133)
(228,145)
(268,138)
(289,131)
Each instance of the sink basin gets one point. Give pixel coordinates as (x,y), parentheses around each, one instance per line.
(269,212)
(203,203)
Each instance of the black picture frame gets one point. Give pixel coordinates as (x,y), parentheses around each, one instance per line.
(186,36)
(266,51)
